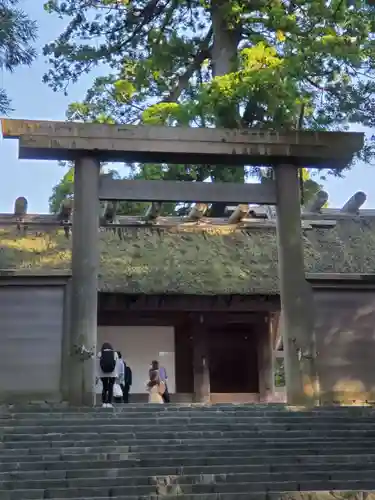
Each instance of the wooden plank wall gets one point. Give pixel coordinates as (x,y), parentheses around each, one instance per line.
(345,341)
(31,331)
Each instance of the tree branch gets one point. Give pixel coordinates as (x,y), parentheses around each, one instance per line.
(203,53)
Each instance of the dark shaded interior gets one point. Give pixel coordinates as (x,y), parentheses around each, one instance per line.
(233,359)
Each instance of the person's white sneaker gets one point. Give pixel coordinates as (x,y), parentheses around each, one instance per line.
(109,405)
(104,405)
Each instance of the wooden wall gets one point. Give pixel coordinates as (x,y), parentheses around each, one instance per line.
(31,337)
(345,342)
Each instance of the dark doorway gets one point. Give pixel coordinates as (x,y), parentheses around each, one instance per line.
(233,359)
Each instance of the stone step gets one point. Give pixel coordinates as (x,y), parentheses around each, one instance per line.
(111,415)
(115,412)
(180,459)
(187,438)
(167,484)
(208,496)
(170,482)
(111,489)
(147,408)
(179,417)
(84,462)
(160,445)
(188,425)
(41,405)
(183,435)
(164,426)
(172,450)
(136,472)
(229,496)
(111,472)
(135,460)
(217,446)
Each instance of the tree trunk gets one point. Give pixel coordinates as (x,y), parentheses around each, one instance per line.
(224,60)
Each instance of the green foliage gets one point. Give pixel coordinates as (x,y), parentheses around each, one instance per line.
(62,190)
(272,64)
(279,372)
(16,36)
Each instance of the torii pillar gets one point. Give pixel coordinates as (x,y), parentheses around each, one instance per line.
(295,292)
(84,289)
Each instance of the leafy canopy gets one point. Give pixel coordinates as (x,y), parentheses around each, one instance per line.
(17,33)
(267,63)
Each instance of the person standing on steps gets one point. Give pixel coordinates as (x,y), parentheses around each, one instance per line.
(108,369)
(124,378)
(128,382)
(155,388)
(120,380)
(163,378)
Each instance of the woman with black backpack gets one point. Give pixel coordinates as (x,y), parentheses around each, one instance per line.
(107,372)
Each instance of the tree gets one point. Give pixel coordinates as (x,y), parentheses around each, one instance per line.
(62,190)
(230,63)
(17,32)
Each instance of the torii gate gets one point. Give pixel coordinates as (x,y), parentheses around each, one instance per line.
(89,144)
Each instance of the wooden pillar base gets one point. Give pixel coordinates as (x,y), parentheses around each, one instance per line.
(202,393)
(265,366)
(202,387)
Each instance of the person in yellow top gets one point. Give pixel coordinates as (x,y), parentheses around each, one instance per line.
(155,388)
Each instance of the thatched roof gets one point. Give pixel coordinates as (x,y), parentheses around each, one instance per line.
(215,261)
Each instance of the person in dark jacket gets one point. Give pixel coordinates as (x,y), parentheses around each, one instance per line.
(107,371)
(125,379)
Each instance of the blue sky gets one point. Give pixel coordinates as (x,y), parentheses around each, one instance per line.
(34,100)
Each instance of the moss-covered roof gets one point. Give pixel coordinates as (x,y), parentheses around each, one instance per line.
(214,261)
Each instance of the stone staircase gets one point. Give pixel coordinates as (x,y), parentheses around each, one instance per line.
(228,452)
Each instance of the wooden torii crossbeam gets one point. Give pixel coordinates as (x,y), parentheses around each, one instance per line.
(44,140)
(89,144)
(189,192)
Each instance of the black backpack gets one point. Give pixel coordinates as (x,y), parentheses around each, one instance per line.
(107,361)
